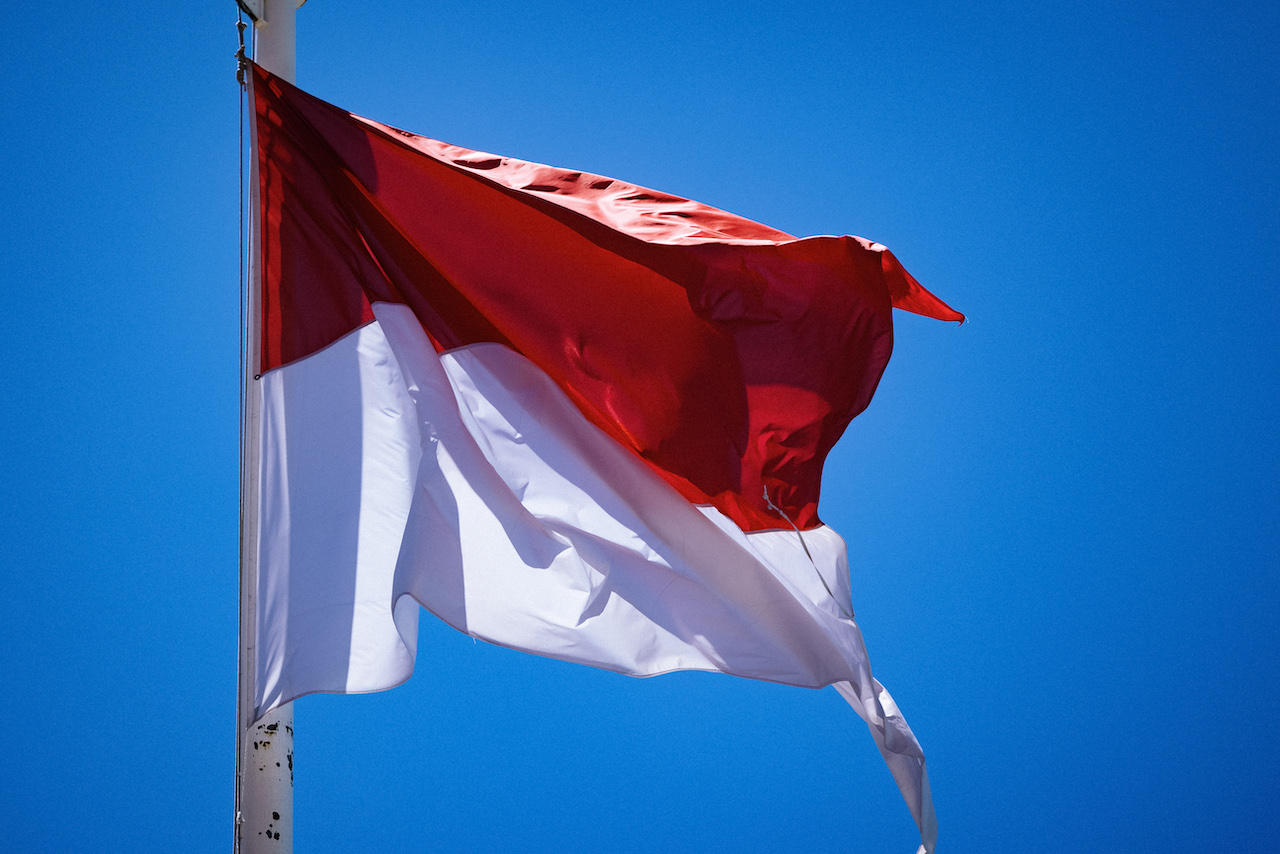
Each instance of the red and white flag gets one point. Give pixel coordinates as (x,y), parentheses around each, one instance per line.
(565,414)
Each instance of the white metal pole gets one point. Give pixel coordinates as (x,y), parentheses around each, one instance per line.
(264,761)
(275,45)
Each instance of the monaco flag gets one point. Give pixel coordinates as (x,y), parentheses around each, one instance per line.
(565,414)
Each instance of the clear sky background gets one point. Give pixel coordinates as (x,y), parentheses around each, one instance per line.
(1062,516)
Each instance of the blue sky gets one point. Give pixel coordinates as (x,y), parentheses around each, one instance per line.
(1061,516)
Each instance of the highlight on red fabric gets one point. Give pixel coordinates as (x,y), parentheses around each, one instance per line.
(729,356)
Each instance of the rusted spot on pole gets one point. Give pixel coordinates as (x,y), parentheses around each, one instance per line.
(267,805)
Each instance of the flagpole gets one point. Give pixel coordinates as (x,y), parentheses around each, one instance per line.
(264,749)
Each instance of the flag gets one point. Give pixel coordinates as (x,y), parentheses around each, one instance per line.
(563,413)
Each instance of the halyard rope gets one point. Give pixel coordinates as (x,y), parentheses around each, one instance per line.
(776,509)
